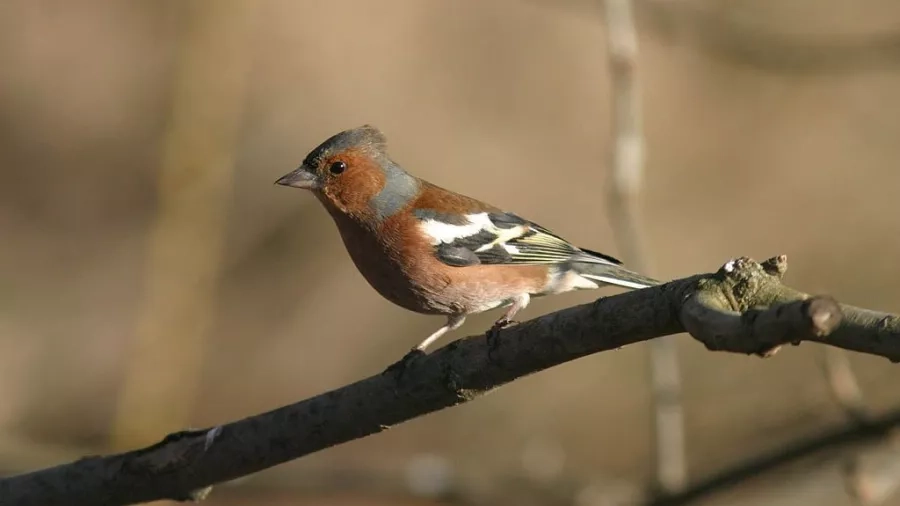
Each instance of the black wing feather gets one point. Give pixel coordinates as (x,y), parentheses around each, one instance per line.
(513,240)
(457,256)
(603,256)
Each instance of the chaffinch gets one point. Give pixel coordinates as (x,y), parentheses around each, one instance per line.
(434,251)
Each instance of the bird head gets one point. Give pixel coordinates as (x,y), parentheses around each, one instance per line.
(351,173)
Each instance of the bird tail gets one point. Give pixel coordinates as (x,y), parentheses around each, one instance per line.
(612,274)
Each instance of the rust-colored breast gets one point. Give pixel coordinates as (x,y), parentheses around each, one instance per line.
(399,263)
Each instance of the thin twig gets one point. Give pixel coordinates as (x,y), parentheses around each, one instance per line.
(843,385)
(185,246)
(875,431)
(626,168)
(872,476)
(184,464)
(717,30)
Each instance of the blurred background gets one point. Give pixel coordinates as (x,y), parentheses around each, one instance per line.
(153,278)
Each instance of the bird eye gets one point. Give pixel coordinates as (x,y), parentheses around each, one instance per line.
(337,167)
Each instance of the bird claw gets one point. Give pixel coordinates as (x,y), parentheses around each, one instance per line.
(501,324)
(494,332)
(400,367)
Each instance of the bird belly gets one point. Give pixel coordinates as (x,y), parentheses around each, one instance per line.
(561,279)
(391,281)
(383,270)
(431,287)
(405,271)
(479,288)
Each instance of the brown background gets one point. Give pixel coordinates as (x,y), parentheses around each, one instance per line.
(771,128)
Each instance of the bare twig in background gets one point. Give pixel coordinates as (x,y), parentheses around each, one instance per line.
(843,384)
(874,432)
(724,310)
(626,168)
(722,31)
(185,248)
(714,28)
(872,477)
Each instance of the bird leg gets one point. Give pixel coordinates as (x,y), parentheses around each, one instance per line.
(453,322)
(519,303)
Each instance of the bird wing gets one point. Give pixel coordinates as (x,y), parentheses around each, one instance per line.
(499,238)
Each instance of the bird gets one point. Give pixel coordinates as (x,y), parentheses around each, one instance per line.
(433,251)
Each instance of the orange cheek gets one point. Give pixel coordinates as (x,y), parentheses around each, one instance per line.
(352,191)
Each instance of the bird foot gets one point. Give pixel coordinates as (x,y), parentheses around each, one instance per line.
(501,324)
(400,367)
(494,332)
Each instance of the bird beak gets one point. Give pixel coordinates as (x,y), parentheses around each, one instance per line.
(299,178)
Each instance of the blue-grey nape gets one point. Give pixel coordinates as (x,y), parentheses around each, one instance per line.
(399,188)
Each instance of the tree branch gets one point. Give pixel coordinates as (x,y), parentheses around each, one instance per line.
(723,310)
